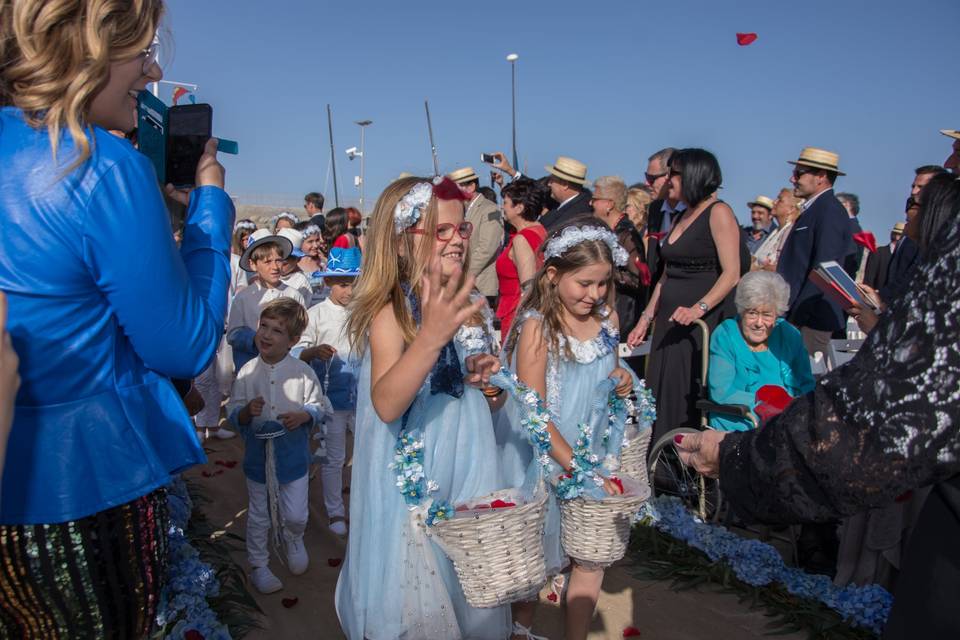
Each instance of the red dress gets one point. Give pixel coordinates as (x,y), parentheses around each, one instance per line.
(509,279)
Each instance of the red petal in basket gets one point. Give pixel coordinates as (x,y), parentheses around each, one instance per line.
(481,506)
(552,597)
(289,602)
(334,562)
(193,634)
(743,39)
(500,504)
(631,632)
(463,507)
(617,482)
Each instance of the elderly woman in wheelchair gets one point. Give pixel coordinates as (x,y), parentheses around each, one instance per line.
(756,350)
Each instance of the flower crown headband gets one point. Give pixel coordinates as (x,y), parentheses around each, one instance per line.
(286,214)
(310,230)
(407,212)
(246,225)
(572,236)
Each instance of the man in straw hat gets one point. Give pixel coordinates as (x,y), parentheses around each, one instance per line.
(820,234)
(952,163)
(567,180)
(487,233)
(761,215)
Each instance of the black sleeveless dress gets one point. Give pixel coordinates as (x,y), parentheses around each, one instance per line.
(691,267)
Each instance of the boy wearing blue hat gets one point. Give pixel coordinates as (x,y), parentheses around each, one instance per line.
(324,345)
(275,401)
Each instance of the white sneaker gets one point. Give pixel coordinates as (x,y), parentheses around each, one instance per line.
(297,558)
(264,580)
(224,434)
(338,527)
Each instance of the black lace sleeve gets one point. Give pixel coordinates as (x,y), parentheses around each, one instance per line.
(886,422)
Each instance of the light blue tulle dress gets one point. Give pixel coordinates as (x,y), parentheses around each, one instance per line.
(571,390)
(395,582)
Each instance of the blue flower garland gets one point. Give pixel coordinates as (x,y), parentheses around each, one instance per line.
(758,564)
(584,478)
(190,580)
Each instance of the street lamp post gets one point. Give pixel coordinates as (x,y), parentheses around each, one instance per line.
(363,158)
(512,59)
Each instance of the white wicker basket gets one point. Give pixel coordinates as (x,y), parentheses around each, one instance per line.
(633,457)
(596,532)
(497,553)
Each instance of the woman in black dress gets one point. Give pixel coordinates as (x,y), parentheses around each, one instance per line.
(702,266)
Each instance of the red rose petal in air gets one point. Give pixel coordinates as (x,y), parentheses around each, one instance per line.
(552,597)
(500,504)
(743,39)
(631,632)
(193,634)
(334,562)
(774,395)
(289,602)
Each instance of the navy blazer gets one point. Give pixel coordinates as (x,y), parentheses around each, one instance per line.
(821,233)
(578,208)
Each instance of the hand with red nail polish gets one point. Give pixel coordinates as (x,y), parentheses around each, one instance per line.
(701,451)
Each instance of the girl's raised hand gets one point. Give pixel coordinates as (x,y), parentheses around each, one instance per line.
(624,381)
(445,308)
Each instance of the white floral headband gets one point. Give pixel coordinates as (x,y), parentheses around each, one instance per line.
(310,230)
(286,214)
(407,212)
(572,236)
(246,225)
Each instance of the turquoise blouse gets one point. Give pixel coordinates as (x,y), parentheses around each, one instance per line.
(736,372)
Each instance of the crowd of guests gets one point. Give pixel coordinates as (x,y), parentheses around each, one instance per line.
(114,334)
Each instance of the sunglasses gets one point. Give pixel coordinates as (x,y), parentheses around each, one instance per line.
(652,177)
(800,171)
(445,231)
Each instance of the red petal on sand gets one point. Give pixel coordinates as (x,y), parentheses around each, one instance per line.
(193,634)
(631,632)
(334,562)
(552,597)
(743,39)
(289,602)
(206,474)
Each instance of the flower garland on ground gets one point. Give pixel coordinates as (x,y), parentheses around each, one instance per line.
(190,580)
(758,564)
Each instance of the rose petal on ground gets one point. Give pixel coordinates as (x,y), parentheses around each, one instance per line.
(334,562)
(289,602)
(631,632)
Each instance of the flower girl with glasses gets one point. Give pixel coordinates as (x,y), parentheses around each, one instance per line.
(423,436)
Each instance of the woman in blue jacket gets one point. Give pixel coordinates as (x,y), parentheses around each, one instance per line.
(756,348)
(103,309)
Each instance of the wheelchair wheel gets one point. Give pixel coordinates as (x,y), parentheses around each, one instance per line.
(670,477)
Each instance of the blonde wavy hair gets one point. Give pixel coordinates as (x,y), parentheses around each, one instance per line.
(544,298)
(55,57)
(391,259)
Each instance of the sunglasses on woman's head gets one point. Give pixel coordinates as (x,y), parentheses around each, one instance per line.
(446,230)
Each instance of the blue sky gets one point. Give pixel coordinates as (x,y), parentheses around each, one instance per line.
(605,82)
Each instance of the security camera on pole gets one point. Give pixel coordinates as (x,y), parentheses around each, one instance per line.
(352,153)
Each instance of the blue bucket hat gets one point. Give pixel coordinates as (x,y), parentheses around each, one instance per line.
(342,263)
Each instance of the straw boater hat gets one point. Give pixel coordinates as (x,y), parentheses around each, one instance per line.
(569,169)
(819,159)
(261,237)
(463,175)
(761,201)
(951,133)
(899,227)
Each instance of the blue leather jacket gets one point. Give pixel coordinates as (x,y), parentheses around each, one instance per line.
(103,307)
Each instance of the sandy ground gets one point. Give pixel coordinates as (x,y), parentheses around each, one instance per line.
(651,607)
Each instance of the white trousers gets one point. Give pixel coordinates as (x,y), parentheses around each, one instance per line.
(331,471)
(293,512)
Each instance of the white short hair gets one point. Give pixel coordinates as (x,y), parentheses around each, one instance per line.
(762,289)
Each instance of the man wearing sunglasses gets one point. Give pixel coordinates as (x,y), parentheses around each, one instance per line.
(487,233)
(662,211)
(820,234)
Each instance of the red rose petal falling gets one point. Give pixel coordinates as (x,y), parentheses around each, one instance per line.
(552,597)
(289,602)
(743,39)
(631,632)
(193,634)
(334,562)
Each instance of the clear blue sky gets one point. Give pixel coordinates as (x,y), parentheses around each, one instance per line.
(605,82)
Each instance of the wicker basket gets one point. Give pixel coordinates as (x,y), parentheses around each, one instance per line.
(633,458)
(497,553)
(596,532)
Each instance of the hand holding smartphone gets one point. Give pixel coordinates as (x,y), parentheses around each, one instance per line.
(488,158)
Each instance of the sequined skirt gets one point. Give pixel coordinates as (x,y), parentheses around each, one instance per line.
(97,577)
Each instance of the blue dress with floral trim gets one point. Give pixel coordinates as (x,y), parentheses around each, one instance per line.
(395,582)
(571,388)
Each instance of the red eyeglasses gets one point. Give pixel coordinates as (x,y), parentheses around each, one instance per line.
(445,231)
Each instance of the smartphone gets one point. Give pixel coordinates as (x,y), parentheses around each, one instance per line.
(489,158)
(189,126)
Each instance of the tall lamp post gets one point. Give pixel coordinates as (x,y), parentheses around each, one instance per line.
(363,126)
(512,59)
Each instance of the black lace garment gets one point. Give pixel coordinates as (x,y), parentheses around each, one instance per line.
(886,422)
